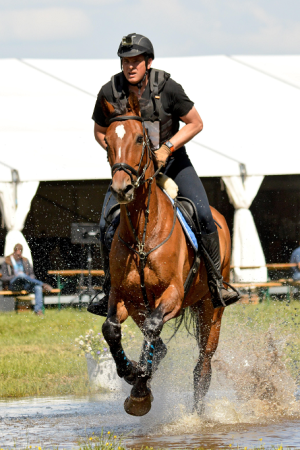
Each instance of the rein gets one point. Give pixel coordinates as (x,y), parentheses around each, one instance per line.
(140,252)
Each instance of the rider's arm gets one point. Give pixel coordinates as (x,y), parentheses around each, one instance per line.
(193,125)
(99,133)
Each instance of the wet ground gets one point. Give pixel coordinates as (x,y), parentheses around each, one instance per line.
(253,400)
(63,421)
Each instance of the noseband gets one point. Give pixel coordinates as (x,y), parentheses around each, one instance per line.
(126,167)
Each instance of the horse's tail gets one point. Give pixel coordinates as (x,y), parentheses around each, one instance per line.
(189,319)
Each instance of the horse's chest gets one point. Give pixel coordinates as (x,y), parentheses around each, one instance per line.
(133,275)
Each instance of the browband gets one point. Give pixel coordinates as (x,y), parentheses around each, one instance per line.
(121,118)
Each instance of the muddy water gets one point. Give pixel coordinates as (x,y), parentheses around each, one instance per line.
(63,421)
(253,400)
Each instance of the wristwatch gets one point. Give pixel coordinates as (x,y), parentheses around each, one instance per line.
(170,146)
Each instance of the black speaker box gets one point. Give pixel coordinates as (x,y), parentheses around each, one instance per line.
(85,233)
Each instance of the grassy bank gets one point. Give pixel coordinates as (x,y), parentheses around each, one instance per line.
(38,356)
(280,318)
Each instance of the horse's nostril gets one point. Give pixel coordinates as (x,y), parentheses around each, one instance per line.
(128,188)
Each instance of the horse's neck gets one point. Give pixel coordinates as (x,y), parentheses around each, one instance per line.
(137,210)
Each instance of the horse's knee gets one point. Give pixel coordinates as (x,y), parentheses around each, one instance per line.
(152,327)
(111,331)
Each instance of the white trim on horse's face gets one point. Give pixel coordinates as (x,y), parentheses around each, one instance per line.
(120,131)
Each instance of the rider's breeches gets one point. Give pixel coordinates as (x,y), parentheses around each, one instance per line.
(181,170)
(109,202)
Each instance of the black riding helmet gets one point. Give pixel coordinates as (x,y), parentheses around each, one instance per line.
(135,44)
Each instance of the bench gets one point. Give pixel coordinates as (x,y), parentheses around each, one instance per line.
(21,297)
(256,286)
(73,273)
(285,283)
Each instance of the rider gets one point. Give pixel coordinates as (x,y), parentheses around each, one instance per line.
(163,104)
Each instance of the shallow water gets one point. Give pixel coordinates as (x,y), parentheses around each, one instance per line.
(253,400)
(63,421)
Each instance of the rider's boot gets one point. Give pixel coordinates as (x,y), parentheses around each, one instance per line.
(211,256)
(100,306)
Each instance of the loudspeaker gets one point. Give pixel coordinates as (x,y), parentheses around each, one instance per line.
(85,233)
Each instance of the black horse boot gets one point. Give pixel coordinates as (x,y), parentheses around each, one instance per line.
(100,306)
(211,255)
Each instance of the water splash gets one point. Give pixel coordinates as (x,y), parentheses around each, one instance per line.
(251,384)
(259,375)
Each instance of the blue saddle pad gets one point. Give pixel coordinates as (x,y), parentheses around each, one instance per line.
(186,228)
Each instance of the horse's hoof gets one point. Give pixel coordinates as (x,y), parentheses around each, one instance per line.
(150,392)
(136,406)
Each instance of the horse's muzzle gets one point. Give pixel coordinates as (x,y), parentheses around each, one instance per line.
(123,196)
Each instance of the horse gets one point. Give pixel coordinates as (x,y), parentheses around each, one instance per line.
(150,259)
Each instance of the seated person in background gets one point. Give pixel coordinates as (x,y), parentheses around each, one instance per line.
(17,274)
(295,259)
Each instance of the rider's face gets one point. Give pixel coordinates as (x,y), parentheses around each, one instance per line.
(134,68)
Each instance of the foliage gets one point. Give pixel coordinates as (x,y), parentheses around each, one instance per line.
(95,344)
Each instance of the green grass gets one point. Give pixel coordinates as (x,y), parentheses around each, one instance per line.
(281,317)
(38,356)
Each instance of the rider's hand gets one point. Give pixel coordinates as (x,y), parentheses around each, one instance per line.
(162,154)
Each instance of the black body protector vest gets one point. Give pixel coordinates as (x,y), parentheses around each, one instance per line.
(160,125)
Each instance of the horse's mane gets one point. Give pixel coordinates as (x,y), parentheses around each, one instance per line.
(119,110)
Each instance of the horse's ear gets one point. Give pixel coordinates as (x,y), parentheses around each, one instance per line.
(107,107)
(133,104)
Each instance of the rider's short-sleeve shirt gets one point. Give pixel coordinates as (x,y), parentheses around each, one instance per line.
(174,101)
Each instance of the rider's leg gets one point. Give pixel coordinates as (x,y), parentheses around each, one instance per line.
(181,170)
(100,307)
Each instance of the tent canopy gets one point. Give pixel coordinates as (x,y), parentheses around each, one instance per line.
(249,106)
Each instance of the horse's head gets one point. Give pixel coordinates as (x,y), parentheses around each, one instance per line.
(127,147)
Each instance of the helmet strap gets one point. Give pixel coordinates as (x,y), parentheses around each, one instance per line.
(140,84)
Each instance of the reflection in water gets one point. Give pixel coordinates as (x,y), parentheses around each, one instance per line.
(252,396)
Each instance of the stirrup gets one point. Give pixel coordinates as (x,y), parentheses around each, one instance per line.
(221,297)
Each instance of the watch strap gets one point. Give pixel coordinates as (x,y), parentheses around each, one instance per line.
(170,146)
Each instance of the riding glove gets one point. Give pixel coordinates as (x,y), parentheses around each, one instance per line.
(162,154)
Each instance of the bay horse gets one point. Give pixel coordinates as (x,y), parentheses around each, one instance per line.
(150,259)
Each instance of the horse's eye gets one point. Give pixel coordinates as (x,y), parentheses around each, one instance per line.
(139,139)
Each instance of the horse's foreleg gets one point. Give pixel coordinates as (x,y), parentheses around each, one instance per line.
(111,330)
(160,349)
(139,401)
(153,350)
(208,332)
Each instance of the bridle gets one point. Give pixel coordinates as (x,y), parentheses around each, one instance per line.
(129,169)
(140,180)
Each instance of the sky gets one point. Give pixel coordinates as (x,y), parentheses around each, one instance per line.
(93,28)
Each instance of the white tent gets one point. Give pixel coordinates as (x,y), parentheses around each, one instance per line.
(249,106)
